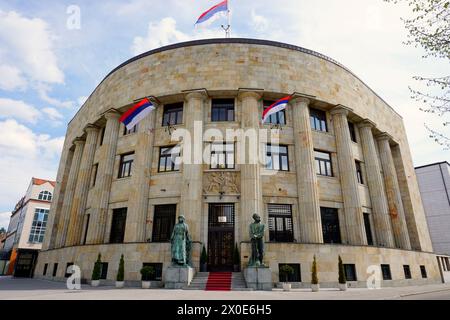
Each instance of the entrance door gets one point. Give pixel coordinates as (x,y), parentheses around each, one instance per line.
(220,237)
(25,264)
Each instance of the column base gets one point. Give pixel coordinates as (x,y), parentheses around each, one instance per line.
(178,277)
(258,278)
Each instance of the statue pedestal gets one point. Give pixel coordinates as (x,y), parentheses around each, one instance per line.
(258,278)
(178,277)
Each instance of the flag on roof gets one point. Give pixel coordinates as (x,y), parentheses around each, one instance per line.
(221,7)
(138,112)
(277,106)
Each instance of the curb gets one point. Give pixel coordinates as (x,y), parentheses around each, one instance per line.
(423,292)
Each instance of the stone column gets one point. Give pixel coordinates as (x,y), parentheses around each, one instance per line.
(307,186)
(63,225)
(394,197)
(380,209)
(99,210)
(251,194)
(140,181)
(354,219)
(192,175)
(82,187)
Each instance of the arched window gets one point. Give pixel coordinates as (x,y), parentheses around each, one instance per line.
(45,195)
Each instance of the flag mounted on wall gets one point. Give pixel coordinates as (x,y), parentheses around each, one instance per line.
(221,7)
(275,107)
(138,112)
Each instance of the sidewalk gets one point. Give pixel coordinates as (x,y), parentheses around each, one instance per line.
(24,289)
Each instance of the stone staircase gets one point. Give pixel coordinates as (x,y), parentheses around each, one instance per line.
(200,282)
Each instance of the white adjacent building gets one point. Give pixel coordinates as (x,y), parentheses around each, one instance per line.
(27,227)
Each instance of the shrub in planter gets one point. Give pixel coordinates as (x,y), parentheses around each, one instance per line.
(236,259)
(96,272)
(203,260)
(147,273)
(285,271)
(120,273)
(314,278)
(342,279)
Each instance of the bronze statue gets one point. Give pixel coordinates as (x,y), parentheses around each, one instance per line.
(181,244)
(257,238)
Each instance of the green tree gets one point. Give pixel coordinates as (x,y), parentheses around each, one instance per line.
(342,278)
(2,230)
(429,28)
(96,273)
(147,272)
(121,271)
(285,271)
(203,256)
(314,277)
(236,255)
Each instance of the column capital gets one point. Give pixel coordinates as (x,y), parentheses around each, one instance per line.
(366,123)
(112,114)
(195,94)
(79,141)
(301,97)
(383,136)
(340,109)
(244,93)
(91,128)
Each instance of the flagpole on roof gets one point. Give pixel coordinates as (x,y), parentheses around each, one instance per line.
(228,27)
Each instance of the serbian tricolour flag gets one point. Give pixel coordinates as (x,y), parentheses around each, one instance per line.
(276,107)
(138,112)
(223,6)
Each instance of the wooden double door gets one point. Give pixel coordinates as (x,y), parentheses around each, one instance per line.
(220,237)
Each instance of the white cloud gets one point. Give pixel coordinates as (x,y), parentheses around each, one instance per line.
(53,114)
(28,46)
(44,89)
(18,110)
(24,154)
(11,78)
(259,23)
(4,219)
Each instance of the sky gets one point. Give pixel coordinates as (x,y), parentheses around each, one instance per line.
(53,53)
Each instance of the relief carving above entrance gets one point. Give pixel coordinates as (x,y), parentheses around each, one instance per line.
(221,183)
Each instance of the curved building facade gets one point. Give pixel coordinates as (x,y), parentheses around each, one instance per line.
(339,180)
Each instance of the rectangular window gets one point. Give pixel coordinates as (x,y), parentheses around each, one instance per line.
(169,159)
(280,223)
(104,271)
(126,162)
(277,158)
(352,129)
(368,229)
(68,274)
(163,222)
(222,155)
(39,225)
(423,271)
(330,225)
(293,277)
(118,225)
(359,174)
(173,114)
(102,135)
(157,276)
(318,120)
(86,228)
(45,269)
(276,118)
(407,271)
(323,163)
(350,272)
(222,110)
(94,174)
(55,269)
(130,131)
(386,272)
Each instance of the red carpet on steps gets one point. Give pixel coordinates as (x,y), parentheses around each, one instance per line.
(219,281)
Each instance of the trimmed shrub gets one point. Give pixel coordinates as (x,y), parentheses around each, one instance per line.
(342,278)
(285,271)
(314,277)
(96,273)
(121,271)
(147,272)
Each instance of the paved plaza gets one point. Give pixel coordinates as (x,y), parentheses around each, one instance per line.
(32,289)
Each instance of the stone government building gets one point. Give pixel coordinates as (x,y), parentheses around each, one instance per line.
(345,183)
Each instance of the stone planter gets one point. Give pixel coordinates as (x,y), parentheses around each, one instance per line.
(315,287)
(343,286)
(146,284)
(287,287)
(95,283)
(120,284)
